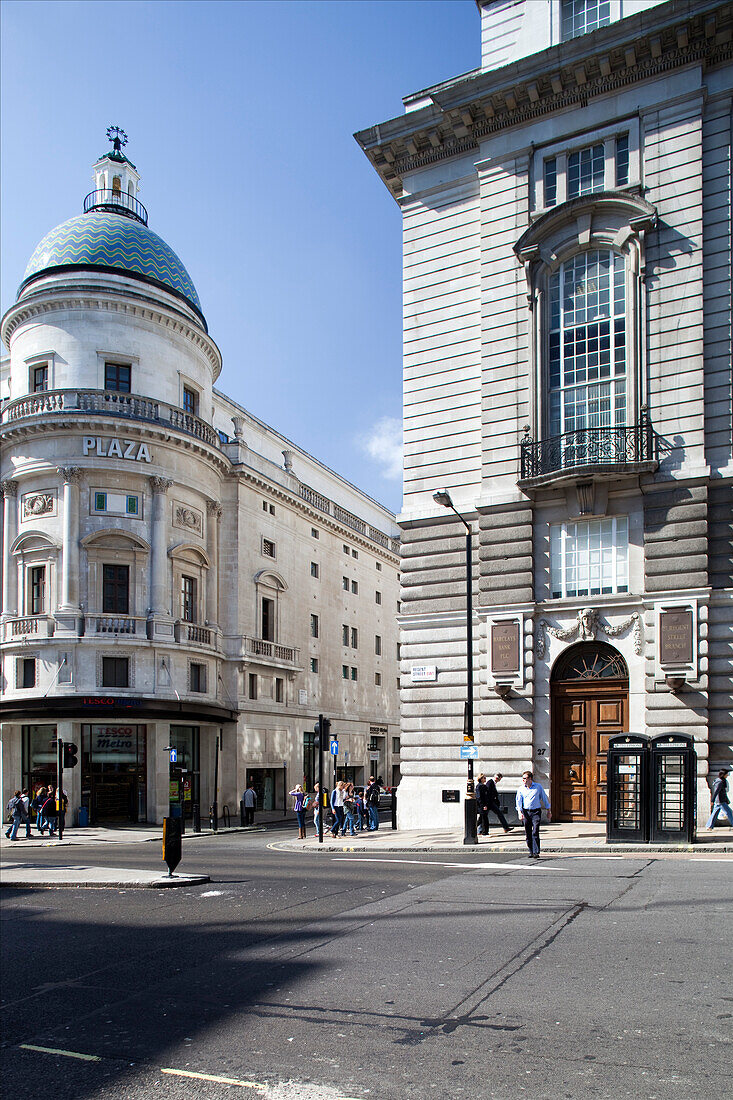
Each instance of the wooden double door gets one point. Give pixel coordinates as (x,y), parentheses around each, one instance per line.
(584,715)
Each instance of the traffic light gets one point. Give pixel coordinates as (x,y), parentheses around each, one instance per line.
(322,730)
(326,731)
(71,754)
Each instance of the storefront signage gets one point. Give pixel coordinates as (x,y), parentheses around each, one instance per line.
(423,674)
(675,637)
(115,448)
(505,647)
(107,701)
(114,744)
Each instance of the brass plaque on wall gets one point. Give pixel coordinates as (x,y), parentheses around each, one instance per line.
(505,647)
(675,637)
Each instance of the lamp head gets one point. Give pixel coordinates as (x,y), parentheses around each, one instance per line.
(443,497)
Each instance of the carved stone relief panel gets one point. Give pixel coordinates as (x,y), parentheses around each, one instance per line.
(39,504)
(188,518)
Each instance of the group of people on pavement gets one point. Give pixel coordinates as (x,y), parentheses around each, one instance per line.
(353,809)
(43,803)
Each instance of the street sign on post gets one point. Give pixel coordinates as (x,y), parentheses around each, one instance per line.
(469,751)
(174,756)
(334,748)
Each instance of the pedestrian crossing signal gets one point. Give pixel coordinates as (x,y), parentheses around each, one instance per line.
(71,754)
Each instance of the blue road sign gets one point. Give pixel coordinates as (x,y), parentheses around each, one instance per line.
(174,756)
(334,748)
(469,751)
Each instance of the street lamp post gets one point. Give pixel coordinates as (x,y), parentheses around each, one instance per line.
(443,498)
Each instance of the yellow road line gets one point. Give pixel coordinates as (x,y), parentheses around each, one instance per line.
(213,1077)
(65,1053)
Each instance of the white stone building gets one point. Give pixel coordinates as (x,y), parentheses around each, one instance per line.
(567,378)
(175,572)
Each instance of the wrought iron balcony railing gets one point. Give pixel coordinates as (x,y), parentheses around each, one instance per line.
(116,202)
(588,447)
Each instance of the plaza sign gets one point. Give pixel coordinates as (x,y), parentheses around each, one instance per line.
(115,448)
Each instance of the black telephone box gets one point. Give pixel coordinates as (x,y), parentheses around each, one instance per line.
(673,785)
(627,816)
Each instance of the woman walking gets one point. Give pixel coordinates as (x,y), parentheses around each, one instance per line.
(337,805)
(316,807)
(41,796)
(299,795)
(349,809)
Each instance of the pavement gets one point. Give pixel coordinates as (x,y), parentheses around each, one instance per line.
(19,868)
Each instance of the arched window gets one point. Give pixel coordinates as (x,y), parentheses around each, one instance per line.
(116,185)
(587,343)
(590,661)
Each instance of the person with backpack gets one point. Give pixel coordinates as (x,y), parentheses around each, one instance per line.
(37,804)
(49,811)
(720,800)
(299,795)
(19,809)
(372,801)
(350,810)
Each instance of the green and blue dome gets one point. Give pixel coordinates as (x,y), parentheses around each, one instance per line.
(103,241)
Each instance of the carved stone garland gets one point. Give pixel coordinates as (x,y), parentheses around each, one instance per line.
(587,623)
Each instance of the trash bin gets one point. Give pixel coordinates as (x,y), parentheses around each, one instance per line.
(673,784)
(627,809)
(82,817)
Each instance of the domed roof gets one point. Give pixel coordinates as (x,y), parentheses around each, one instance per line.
(105,241)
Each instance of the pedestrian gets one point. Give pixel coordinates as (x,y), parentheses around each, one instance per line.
(372,800)
(720,800)
(249,798)
(531,797)
(482,805)
(317,808)
(299,795)
(49,811)
(37,805)
(18,809)
(349,809)
(337,807)
(494,803)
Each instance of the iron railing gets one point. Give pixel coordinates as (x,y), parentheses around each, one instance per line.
(116,202)
(109,403)
(620,446)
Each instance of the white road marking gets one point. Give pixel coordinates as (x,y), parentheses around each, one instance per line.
(64,1053)
(213,1077)
(442,863)
(212,894)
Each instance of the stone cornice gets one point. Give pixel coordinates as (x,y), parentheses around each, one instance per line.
(111,301)
(464,112)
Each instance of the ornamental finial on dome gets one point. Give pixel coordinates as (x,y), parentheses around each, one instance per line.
(118,136)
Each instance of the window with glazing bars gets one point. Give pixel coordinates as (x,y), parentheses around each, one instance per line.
(589,557)
(586,169)
(583,16)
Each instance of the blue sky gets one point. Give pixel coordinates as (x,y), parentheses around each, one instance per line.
(240,117)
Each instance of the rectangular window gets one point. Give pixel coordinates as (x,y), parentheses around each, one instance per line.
(377,597)
(190,401)
(39,378)
(314,626)
(345,549)
(314,664)
(583,16)
(25,672)
(268,548)
(377,679)
(37,589)
(345,583)
(252,685)
(344,672)
(379,566)
(589,557)
(314,533)
(355,588)
(622,160)
(115,672)
(197,677)
(586,170)
(354,674)
(116,589)
(378,644)
(354,553)
(117,377)
(116,504)
(354,638)
(279,689)
(344,635)
(268,619)
(314,569)
(396,746)
(550,172)
(189,599)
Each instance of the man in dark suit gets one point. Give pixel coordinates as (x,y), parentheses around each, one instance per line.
(493,801)
(482,804)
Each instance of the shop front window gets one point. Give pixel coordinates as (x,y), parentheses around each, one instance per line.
(185,771)
(269,783)
(114,772)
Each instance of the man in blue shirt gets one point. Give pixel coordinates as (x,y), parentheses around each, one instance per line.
(530,799)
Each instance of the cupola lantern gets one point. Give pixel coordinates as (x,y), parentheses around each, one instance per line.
(116,181)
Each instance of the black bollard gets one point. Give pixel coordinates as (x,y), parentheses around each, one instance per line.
(196,812)
(394,807)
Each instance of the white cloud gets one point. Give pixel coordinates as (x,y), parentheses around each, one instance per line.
(384,444)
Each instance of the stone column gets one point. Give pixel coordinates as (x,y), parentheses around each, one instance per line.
(10,530)
(159,595)
(214,511)
(70,539)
